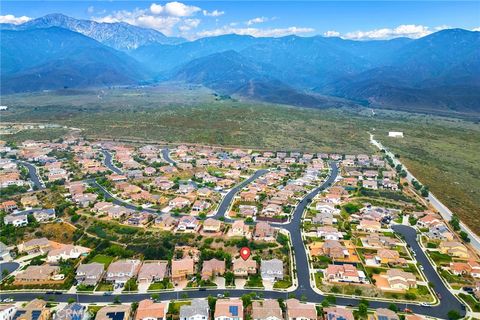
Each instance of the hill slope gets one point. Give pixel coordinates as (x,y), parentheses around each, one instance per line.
(55,58)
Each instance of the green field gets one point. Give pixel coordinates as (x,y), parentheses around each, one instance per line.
(442,152)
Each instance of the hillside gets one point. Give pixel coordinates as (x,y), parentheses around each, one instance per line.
(56,58)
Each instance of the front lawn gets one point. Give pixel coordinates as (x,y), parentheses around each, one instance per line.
(254,281)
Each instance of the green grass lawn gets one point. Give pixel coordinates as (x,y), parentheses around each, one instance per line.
(254,281)
(282,284)
(440,258)
(103,286)
(104,259)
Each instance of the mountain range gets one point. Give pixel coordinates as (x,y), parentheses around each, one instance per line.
(439,72)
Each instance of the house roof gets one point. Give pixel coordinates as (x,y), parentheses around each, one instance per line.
(266,309)
(229,308)
(197,307)
(148,309)
(296,309)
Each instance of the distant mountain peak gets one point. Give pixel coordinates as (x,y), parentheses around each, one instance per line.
(118,35)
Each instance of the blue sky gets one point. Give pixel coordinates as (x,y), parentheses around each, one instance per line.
(193,19)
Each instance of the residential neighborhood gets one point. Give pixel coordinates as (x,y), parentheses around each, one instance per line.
(118,220)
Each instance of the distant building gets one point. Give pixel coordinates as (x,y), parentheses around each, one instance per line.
(395,134)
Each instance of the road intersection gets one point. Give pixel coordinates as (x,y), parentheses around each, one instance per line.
(304,289)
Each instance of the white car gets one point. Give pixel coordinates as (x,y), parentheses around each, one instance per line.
(8,300)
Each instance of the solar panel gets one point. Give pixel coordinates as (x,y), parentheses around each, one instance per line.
(116,315)
(36,314)
(382,318)
(18,314)
(233,310)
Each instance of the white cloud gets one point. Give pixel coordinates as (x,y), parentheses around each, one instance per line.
(257,20)
(10,18)
(331,33)
(214,13)
(256,32)
(164,18)
(142,18)
(156,8)
(90,9)
(405,30)
(176,9)
(189,24)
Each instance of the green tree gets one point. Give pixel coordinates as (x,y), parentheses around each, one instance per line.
(453,315)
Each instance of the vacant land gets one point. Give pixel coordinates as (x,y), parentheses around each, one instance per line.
(442,152)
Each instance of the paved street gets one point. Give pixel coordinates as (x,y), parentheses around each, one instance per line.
(439,206)
(107,161)
(304,289)
(166,156)
(33,175)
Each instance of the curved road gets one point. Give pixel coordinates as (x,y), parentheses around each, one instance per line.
(108,162)
(437,204)
(166,156)
(33,175)
(227,199)
(304,289)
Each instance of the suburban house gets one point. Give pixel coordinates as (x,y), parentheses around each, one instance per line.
(264,232)
(331,248)
(387,256)
(44,215)
(239,229)
(212,268)
(152,271)
(183,268)
(188,224)
(121,271)
(228,309)
(72,311)
(166,222)
(454,248)
(17,220)
(66,252)
(397,280)
(212,225)
(7,311)
(89,274)
(329,233)
(197,310)
(369,225)
(150,310)
(337,313)
(370,184)
(179,203)
(268,309)
(43,274)
(40,245)
(114,312)
(244,268)
(385,314)
(296,310)
(29,201)
(34,310)
(471,268)
(271,270)
(344,273)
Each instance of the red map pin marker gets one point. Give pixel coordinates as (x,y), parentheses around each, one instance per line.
(245,253)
